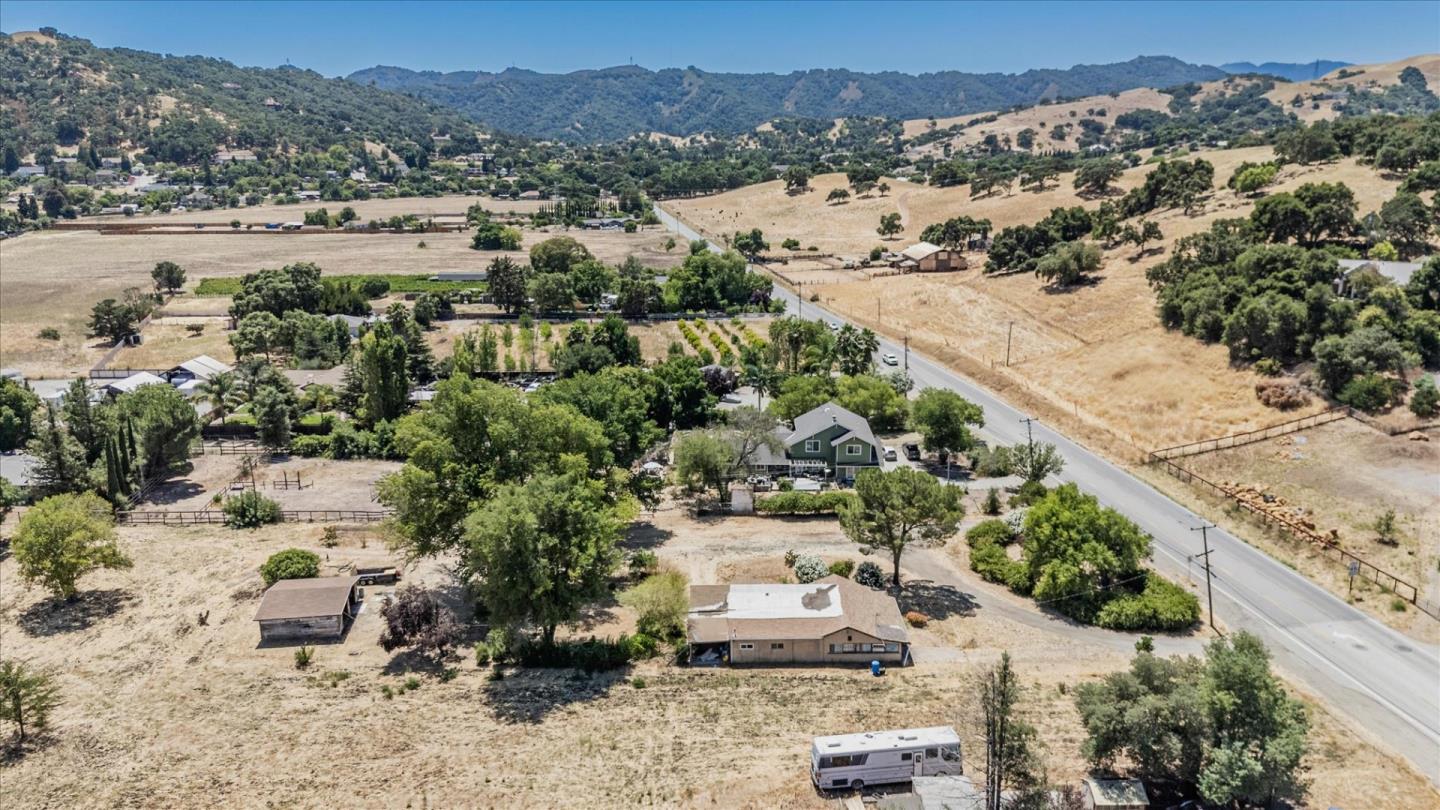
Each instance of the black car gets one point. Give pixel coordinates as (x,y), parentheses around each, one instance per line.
(912,452)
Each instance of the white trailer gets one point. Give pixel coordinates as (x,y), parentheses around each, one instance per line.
(852,761)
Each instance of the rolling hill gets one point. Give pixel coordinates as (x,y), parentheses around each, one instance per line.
(61,90)
(1290,71)
(595,105)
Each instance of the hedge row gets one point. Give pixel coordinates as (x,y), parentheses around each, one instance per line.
(1162,605)
(804,503)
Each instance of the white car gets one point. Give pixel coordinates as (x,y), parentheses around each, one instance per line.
(890,359)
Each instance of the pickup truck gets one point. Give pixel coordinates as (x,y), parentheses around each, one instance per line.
(912,452)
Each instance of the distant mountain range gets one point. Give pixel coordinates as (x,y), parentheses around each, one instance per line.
(596,105)
(1294,71)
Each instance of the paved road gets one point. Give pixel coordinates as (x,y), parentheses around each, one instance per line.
(1377,677)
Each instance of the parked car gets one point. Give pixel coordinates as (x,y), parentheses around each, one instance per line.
(759,483)
(890,454)
(890,359)
(912,452)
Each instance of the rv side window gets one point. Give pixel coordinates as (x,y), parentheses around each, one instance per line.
(932,753)
(905,757)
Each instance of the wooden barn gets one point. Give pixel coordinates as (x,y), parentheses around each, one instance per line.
(306,609)
(924,257)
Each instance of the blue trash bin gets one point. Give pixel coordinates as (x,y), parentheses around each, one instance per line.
(876,669)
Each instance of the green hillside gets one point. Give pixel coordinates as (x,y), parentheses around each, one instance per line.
(62,90)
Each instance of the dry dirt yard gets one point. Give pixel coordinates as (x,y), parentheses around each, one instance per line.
(1094,359)
(1342,475)
(324,484)
(445,208)
(52,279)
(162,711)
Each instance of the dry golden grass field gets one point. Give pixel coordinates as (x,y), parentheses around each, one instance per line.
(162,711)
(1095,357)
(51,279)
(1365,76)
(1042,119)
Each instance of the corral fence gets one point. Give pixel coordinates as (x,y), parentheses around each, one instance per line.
(1362,568)
(234,447)
(214,517)
(1250,436)
(122,373)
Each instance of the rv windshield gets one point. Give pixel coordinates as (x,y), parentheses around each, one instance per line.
(950,752)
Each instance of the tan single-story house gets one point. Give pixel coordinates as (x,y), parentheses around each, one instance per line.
(1114,794)
(313,608)
(927,258)
(829,621)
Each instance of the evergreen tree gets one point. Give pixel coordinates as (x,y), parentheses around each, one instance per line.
(59,461)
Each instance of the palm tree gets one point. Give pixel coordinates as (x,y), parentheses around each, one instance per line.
(220,391)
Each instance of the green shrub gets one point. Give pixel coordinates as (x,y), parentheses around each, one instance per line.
(870,575)
(1268,367)
(643,562)
(375,287)
(1029,493)
(1425,400)
(990,561)
(809,568)
(661,602)
(790,557)
(1162,605)
(637,682)
(292,563)
(49,333)
(1397,604)
(804,503)
(310,446)
(482,653)
(250,510)
(387,692)
(591,655)
(304,656)
(990,531)
(992,505)
(842,568)
(1368,392)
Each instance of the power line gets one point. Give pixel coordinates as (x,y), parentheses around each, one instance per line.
(1204,530)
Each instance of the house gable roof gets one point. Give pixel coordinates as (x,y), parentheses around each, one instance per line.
(808,424)
(920,250)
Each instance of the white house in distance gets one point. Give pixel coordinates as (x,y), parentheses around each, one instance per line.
(188,375)
(925,257)
(117,387)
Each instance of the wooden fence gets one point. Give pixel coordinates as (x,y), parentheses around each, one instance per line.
(1404,589)
(216,517)
(1249,436)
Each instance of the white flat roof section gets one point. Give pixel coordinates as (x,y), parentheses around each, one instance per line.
(784,602)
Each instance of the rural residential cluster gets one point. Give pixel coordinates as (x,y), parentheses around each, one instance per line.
(1051,440)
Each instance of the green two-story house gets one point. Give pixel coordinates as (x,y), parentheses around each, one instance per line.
(828,439)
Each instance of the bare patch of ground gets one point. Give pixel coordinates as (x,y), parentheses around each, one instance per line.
(323,484)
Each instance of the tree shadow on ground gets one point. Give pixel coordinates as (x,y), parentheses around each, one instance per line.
(54,615)
(1054,288)
(11,751)
(174,491)
(530,695)
(597,614)
(644,534)
(935,600)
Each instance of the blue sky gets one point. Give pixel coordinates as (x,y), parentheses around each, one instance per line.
(337,38)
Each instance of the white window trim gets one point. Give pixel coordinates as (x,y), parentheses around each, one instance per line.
(852,449)
(812,445)
(745,645)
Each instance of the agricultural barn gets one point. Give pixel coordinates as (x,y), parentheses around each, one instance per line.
(302,609)
(927,258)
(1114,794)
(829,621)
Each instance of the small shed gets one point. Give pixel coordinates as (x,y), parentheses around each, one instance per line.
(313,608)
(1114,794)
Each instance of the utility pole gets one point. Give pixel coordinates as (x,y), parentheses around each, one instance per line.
(1008,334)
(1029,438)
(907,354)
(800,296)
(1204,530)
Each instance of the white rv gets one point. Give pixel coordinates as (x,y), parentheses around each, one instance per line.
(878,757)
